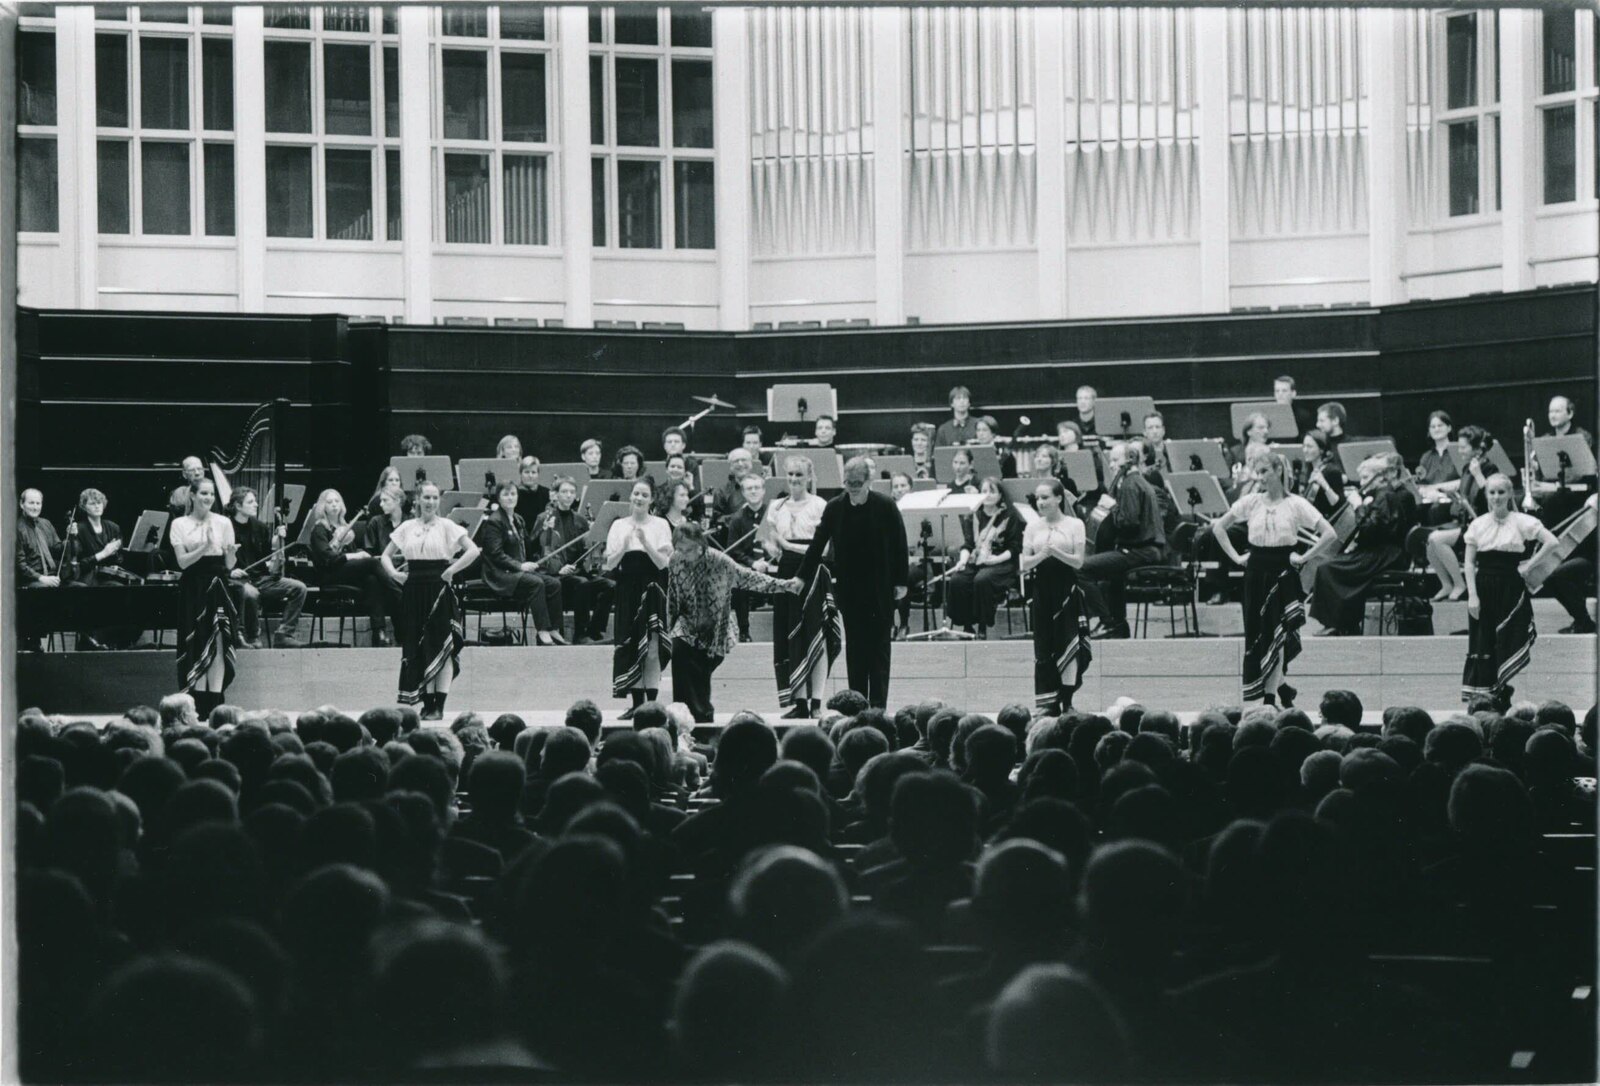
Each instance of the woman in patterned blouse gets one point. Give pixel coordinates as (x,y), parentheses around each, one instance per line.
(699,613)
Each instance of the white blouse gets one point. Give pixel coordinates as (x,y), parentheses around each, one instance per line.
(186,532)
(1275,524)
(1041,534)
(620,539)
(1512,534)
(439,541)
(796,521)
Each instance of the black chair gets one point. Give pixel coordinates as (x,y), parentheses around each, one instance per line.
(1403,595)
(1171,585)
(477,598)
(333,601)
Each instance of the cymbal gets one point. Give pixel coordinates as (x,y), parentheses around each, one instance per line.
(713,401)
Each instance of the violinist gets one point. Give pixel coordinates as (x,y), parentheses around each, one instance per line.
(1436,472)
(1320,479)
(922,450)
(730,495)
(674,505)
(1339,597)
(1330,420)
(678,471)
(980,582)
(1129,535)
(744,544)
(984,435)
(589,593)
(338,566)
(1468,502)
(509,570)
(259,574)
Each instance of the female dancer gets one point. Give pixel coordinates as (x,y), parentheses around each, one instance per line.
(1469,502)
(208,625)
(1274,599)
(699,606)
(629,463)
(791,522)
(1052,551)
(338,566)
(638,548)
(981,581)
(1500,632)
(435,549)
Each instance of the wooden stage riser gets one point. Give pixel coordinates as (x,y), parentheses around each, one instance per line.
(1181,675)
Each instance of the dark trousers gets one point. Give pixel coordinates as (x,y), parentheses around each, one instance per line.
(866,650)
(366,576)
(741,609)
(692,667)
(540,593)
(250,595)
(590,599)
(1104,578)
(1570,584)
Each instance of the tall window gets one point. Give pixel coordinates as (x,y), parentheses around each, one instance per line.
(164,120)
(650,123)
(38,199)
(494,130)
(333,123)
(1471,114)
(1565,107)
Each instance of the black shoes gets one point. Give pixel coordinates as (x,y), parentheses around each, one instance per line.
(1286,695)
(1117,632)
(1585,627)
(432,707)
(801,711)
(627,714)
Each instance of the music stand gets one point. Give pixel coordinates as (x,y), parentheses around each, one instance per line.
(777,487)
(451,500)
(294,493)
(609,514)
(1563,459)
(1082,474)
(801,403)
(888,464)
(148,531)
(714,475)
(1351,453)
(579,473)
(827,471)
(985,461)
(1121,416)
(416,470)
(884,486)
(935,515)
(485,476)
(1197,492)
(1280,418)
(602,491)
(1204,454)
(468,517)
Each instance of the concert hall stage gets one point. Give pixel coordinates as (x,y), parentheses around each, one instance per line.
(1180,674)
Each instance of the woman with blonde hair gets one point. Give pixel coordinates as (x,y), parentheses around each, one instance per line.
(799,660)
(208,624)
(338,566)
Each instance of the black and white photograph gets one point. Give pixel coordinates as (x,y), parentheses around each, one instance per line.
(724,543)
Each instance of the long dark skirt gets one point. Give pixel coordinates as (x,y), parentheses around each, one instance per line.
(434,628)
(785,615)
(816,631)
(1061,652)
(207,623)
(975,593)
(1274,611)
(641,615)
(1339,599)
(1500,640)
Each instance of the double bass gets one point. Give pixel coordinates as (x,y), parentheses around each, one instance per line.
(1570,535)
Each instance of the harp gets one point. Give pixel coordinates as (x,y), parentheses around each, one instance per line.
(257,460)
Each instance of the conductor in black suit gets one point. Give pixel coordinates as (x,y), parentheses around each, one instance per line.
(869,574)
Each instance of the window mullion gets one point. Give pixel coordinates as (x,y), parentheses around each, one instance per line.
(496,141)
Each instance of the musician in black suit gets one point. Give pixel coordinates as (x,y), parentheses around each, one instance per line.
(870,572)
(511,574)
(589,592)
(93,541)
(743,546)
(1552,502)
(1573,582)
(1129,535)
(259,574)
(39,551)
(729,497)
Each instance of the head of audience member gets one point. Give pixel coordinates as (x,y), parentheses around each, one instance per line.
(1452,745)
(783,896)
(130,1020)
(810,747)
(727,1015)
(990,755)
(1130,901)
(1550,760)
(941,732)
(933,820)
(1022,898)
(1054,1022)
(746,748)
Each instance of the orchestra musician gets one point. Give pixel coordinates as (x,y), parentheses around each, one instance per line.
(591,453)
(1469,502)
(869,550)
(1330,420)
(962,481)
(1553,502)
(1132,537)
(509,448)
(699,595)
(730,495)
(435,550)
(1085,397)
(922,434)
(193,470)
(1155,435)
(1572,581)
(751,441)
(1046,463)
(88,552)
(629,463)
(1052,553)
(678,472)
(533,497)
(510,572)
(259,575)
(790,526)
(589,593)
(984,435)
(1500,629)
(204,548)
(824,432)
(987,572)
(743,545)
(389,482)
(1321,478)
(1252,437)
(1274,601)
(1069,435)
(638,549)
(899,487)
(39,551)
(674,442)
(339,566)
(1285,392)
(960,428)
(1436,472)
(1338,600)
(674,502)
(376,532)
(415,445)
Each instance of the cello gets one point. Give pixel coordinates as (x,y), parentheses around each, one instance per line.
(1569,537)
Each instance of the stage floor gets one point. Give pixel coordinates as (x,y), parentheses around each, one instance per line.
(1184,675)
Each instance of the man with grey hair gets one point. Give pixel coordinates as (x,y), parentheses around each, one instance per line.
(869,574)
(194,470)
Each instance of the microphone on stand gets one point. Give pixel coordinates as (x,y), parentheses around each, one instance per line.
(1127,422)
(801,406)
